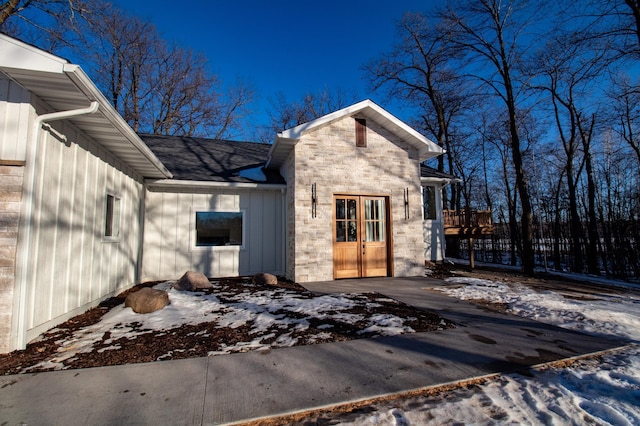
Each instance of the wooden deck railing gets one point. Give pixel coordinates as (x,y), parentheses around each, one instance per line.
(467,222)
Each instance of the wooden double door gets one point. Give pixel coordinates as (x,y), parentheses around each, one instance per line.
(361,236)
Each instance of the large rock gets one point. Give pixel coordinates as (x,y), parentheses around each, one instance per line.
(193,281)
(147,300)
(262,278)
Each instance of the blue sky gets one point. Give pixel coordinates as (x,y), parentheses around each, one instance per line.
(294,47)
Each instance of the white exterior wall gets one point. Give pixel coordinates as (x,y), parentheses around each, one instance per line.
(67,264)
(15,116)
(433,230)
(169,250)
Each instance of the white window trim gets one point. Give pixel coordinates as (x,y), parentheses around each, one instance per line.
(111,238)
(193,234)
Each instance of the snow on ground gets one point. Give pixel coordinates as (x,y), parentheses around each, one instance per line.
(264,310)
(607,315)
(592,391)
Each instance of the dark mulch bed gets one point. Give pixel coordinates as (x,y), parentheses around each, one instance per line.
(198,340)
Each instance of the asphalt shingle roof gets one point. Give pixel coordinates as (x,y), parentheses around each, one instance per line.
(201,159)
(426,171)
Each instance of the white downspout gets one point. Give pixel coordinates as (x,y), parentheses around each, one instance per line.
(283,193)
(26,219)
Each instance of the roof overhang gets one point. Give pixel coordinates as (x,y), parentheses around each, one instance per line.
(195,186)
(438,181)
(367,109)
(65,86)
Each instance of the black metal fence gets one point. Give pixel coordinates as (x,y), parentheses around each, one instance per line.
(618,257)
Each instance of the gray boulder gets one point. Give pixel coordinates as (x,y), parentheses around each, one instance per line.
(263,278)
(192,281)
(147,300)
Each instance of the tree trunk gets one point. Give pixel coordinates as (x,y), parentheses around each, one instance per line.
(594,238)
(8,9)
(557,228)
(577,232)
(526,218)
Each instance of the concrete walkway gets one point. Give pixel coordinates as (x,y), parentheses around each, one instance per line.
(233,388)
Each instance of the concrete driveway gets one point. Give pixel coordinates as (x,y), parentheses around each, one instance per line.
(238,387)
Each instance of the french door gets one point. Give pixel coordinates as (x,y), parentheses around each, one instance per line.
(360,236)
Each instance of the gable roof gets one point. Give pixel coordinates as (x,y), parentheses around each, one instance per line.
(365,109)
(213,160)
(65,86)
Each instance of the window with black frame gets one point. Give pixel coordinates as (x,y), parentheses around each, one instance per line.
(219,229)
(112,217)
(429,203)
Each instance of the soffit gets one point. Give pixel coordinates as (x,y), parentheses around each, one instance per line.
(63,87)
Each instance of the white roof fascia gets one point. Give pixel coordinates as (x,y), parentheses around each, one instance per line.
(441,181)
(426,148)
(279,141)
(170,184)
(298,131)
(84,83)
(17,57)
(17,54)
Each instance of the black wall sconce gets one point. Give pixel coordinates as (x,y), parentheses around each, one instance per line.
(406,203)
(314,200)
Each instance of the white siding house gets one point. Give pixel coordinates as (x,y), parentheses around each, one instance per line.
(213,179)
(71,230)
(170,246)
(433,233)
(89,208)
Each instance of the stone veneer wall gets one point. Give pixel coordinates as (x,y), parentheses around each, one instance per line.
(329,158)
(10,200)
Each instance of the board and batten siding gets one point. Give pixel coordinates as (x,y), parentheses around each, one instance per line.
(15,116)
(433,234)
(70,265)
(433,229)
(169,251)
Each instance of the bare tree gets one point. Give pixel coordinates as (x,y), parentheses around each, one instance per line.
(634,9)
(617,21)
(183,96)
(285,114)
(488,31)
(158,87)
(495,134)
(422,70)
(625,116)
(42,22)
(569,71)
(24,9)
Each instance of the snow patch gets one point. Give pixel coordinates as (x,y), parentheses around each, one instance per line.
(592,391)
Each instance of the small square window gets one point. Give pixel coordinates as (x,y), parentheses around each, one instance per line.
(112,217)
(214,229)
